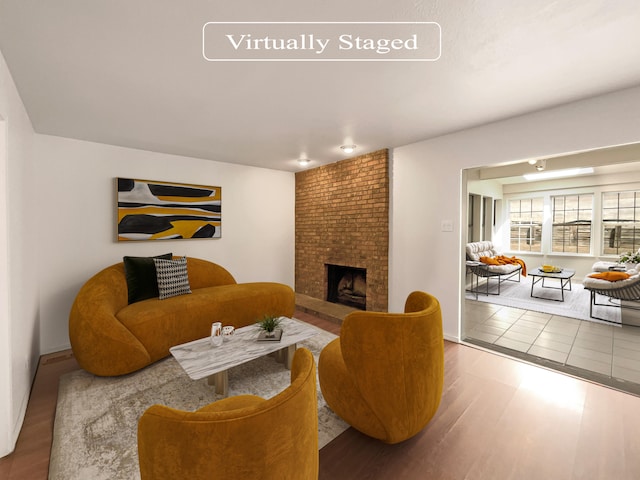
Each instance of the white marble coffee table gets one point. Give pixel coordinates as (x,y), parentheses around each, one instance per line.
(201,359)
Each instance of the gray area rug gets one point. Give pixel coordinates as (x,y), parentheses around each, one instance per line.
(575,305)
(95,431)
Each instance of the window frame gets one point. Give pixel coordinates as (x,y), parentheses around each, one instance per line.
(531,225)
(633,224)
(579,223)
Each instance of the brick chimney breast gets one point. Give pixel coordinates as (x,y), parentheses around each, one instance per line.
(342,218)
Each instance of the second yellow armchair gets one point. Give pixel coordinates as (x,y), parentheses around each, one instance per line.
(238,437)
(384,374)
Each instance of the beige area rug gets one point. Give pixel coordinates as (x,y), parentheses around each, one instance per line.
(95,431)
(576,302)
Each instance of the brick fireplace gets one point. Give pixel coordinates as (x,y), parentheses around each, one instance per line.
(342,219)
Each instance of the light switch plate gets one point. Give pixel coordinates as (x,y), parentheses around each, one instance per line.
(446,226)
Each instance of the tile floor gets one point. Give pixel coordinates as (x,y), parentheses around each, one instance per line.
(578,346)
(606,354)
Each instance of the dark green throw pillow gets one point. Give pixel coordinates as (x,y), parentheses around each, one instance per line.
(142,280)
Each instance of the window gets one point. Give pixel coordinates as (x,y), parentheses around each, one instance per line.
(525,224)
(571,228)
(620,222)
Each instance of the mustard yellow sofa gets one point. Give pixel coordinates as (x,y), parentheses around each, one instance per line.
(241,437)
(111,337)
(384,374)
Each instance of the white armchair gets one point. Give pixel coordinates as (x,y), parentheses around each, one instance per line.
(622,290)
(501,273)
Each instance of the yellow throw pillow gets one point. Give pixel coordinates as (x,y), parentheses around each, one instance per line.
(611,276)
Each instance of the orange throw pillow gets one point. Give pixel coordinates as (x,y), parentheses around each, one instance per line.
(611,276)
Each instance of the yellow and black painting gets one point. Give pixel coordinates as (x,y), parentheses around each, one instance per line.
(161,211)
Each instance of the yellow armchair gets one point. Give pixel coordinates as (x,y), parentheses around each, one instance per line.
(238,437)
(384,374)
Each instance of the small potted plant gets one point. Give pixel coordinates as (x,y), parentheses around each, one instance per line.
(269,326)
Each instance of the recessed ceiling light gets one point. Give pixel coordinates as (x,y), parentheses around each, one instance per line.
(348,148)
(303,162)
(532,161)
(569,172)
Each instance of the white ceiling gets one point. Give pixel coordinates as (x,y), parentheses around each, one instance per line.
(131,73)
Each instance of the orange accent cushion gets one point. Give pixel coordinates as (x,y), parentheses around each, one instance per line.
(489,261)
(611,276)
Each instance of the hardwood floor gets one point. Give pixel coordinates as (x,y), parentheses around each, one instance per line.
(499,419)
(30,459)
(503,419)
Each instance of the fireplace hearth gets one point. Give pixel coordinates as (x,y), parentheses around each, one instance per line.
(347,285)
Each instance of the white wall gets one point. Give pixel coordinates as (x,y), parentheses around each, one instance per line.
(77,224)
(5,330)
(486,188)
(18,269)
(427,186)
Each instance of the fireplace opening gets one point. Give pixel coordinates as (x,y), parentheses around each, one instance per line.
(347,285)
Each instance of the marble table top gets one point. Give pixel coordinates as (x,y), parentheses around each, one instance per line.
(200,358)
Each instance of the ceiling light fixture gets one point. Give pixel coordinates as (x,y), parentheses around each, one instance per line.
(569,172)
(303,162)
(348,148)
(532,161)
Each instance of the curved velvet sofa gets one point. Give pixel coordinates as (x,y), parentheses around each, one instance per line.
(109,337)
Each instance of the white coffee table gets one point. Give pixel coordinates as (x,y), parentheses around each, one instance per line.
(564,275)
(200,359)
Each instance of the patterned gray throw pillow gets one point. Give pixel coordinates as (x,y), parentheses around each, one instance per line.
(173,279)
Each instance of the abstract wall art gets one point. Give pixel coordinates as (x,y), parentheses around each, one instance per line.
(150,210)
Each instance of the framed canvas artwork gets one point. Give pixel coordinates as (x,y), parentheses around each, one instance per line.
(149,210)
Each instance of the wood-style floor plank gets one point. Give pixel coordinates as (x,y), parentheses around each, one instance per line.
(499,419)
